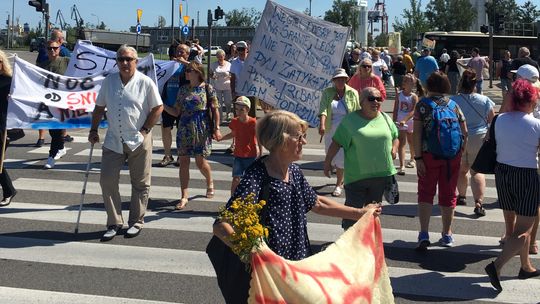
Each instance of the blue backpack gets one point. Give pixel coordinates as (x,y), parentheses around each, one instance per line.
(445,138)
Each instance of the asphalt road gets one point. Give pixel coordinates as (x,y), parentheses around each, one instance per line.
(42,261)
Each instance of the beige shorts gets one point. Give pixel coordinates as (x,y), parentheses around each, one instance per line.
(474,142)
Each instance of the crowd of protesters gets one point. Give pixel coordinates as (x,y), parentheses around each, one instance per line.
(361,142)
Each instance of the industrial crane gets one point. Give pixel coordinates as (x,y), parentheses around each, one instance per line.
(75,15)
(61,21)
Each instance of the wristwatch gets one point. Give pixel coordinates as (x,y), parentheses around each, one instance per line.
(146,130)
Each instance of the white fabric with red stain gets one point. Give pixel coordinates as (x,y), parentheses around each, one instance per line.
(352,270)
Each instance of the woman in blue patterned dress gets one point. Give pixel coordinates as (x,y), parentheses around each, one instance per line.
(194,136)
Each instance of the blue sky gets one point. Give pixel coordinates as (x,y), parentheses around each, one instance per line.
(121,14)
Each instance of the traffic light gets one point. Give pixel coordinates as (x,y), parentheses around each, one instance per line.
(218,13)
(498,23)
(40,5)
(484,29)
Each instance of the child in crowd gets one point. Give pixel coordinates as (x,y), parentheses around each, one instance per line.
(243,131)
(403,113)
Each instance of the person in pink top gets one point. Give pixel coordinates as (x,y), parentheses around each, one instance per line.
(364,78)
(478,64)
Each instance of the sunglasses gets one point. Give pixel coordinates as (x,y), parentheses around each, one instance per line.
(366,66)
(240,49)
(50,48)
(374,98)
(122,59)
(300,136)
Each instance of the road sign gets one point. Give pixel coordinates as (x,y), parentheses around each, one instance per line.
(139,15)
(186,19)
(185,30)
(138,28)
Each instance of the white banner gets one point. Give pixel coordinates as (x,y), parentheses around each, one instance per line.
(291,60)
(88,59)
(40,99)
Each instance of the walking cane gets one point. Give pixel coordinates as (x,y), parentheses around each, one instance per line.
(84,187)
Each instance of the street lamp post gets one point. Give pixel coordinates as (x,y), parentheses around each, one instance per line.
(98,22)
(8,30)
(310,7)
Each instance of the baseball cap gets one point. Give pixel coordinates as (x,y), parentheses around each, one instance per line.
(528,72)
(243,101)
(241,44)
(230,43)
(340,73)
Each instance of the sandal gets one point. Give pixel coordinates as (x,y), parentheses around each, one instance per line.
(210,190)
(479,209)
(182,204)
(533,248)
(401,171)
(411,164)
(461,200)
(337,191)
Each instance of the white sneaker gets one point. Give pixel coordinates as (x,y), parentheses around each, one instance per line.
(60,153)
(50,163)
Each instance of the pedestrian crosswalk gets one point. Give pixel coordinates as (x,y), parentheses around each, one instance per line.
(43,261)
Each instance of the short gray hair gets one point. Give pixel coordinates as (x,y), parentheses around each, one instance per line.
(274,128)
(124,48)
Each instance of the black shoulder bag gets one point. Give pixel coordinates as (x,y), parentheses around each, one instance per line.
(233,279)
(486,159)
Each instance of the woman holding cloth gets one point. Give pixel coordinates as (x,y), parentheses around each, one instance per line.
(5,85)
(478,111)
(290,196)
(369,139)
(516,177)
(336,102)
(194,138)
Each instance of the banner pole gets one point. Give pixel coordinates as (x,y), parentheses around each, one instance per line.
(84,187)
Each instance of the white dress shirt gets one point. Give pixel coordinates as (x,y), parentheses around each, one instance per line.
(128,106)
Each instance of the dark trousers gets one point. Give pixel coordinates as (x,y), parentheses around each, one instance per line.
(57,141)
(7,186)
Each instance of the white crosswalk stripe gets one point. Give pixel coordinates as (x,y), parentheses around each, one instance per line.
(40,221)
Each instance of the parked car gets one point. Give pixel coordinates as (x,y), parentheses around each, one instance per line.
(213,50)
(35,42)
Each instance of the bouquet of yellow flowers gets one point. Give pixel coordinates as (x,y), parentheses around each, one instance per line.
(249,233)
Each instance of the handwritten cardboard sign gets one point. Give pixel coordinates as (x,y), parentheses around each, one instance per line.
(291,60)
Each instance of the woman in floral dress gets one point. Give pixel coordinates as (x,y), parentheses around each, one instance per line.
(194,136)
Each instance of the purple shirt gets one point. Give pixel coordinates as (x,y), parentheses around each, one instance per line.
(477,63)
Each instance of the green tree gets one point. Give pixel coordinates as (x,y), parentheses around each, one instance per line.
(381,40)
(102,26)
(528,12)
(508,8)
(450,15)
(162,22)
(343,13)
(244,17)
(413,22)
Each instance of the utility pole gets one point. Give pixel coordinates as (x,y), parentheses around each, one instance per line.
(172,21)
(12,18)
(8,32)
(491,29)
(218,13)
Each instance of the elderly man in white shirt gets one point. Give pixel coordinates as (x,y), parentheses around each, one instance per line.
(133,107)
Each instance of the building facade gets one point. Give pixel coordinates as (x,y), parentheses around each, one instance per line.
(162,37)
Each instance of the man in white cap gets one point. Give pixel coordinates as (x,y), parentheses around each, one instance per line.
(531,74)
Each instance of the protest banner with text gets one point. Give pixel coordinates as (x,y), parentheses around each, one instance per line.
(40,99)
(291,60)
(88,59)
